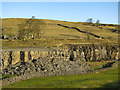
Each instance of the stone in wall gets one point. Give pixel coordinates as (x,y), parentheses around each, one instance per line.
(15,56)
(26,56)
(5,59)
(45,54)
(103,53)
(117,53)
(114,52)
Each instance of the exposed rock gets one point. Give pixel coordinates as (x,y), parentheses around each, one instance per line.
(60,61)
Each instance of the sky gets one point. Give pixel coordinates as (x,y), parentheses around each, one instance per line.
(106,12)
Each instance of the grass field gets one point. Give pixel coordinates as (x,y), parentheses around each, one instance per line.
(104,79)
(51,29)
(47,42)
(55,35)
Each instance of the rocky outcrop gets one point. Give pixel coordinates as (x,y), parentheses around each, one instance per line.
(57,61)
(70,53)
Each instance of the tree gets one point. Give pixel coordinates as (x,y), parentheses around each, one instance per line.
(89,20)
(33,17)
(97,22)
(30,29)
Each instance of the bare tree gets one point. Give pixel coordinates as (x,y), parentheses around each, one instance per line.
(89,20)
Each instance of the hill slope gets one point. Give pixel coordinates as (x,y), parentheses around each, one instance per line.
(67,30)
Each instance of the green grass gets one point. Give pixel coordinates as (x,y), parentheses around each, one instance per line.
(93,80)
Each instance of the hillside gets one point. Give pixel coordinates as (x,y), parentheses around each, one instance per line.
(62,32)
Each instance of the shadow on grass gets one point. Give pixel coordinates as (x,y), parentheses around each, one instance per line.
(112,85)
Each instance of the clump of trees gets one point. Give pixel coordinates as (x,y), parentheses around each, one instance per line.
(90,22)
(30,29)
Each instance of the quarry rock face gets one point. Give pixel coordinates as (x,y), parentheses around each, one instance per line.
(71,53)
(58,61)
